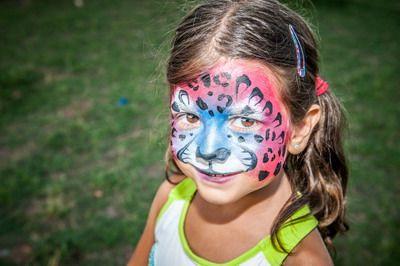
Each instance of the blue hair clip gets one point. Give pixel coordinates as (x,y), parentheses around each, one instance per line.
(301,62)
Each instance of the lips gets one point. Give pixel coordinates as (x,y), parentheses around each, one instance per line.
(215,177)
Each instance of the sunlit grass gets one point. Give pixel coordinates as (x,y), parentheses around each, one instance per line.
(79,167)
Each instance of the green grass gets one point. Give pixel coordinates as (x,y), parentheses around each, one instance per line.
(78,171)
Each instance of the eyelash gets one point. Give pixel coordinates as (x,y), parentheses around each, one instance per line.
(243,128)
(187,125)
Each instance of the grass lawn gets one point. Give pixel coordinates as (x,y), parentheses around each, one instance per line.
(83,122)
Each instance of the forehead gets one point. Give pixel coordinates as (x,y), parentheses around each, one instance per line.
(237,78)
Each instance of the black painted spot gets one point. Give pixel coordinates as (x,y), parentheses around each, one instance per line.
(267,134)
(206,80)
(284,150)
(247,111)
(240,139)
(243,79)
(268,106)
(182,137)
(277,169)
(226,75)
(279,119)
(279,151)
(273,157)
(173,132)
(175,107)
(258,138)
(262,175)
(265,158)
(201,104)
(211,113)
(269,150)
(210,93)
(195,88)
(183,97)
(223,82)
(191,134)
(228,97)
(216,80)
(220,109)
(256,93)
(281,137)
(273,136)
(229,136)
(193,84)
(229,102)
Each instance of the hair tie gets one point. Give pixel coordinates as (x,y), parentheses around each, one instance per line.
(321,86)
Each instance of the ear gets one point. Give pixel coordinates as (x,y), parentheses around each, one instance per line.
(302,131)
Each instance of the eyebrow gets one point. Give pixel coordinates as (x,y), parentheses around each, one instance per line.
(183,108)
(245,111)
(242,110)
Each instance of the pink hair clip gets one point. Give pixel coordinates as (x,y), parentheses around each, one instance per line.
(321,86)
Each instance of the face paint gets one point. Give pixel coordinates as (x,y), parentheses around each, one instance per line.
(229,121)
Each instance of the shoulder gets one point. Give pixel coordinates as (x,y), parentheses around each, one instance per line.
(143,247)
(162,193)
(310,251)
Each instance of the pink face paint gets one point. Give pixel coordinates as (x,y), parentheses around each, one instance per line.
(228,121)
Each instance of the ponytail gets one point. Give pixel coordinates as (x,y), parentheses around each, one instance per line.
(320,174)
(326,167)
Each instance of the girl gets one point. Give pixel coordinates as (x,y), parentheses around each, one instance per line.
(256,173)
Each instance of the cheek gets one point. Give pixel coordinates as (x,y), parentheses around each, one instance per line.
(271,152)
(181,137)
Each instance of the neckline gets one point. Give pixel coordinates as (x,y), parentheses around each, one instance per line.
(202,261)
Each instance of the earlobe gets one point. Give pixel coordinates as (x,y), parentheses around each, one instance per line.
(302,131)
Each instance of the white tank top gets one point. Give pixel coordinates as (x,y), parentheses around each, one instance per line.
(172,249)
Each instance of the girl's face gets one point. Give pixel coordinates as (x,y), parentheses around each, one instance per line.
(229,129)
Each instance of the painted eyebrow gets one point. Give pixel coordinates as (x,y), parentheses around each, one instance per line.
(246,111)
(182,108)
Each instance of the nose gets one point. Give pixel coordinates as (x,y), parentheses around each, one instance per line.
(219,155)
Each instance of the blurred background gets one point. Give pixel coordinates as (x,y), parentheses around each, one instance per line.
(83,124)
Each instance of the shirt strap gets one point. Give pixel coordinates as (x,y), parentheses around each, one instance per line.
(299,225)
(183,191)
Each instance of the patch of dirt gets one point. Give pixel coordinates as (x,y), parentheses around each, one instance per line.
(7,155)
(76,108)
(21,254)
(51,75)
(155,170)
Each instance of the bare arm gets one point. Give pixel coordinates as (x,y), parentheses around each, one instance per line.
(143,247)
(310,251)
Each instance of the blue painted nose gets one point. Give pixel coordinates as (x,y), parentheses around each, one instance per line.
(219,155)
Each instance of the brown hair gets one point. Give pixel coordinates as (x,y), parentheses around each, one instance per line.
(259,30)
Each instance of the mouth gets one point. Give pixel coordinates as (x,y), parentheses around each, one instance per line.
(216,177)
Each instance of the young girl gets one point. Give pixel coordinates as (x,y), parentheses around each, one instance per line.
(259,175)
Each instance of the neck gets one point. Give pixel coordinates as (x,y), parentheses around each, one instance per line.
(270,198)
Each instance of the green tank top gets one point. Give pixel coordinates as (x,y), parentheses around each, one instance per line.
(172,248)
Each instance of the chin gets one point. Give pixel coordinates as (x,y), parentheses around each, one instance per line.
(228,192)
(217,196)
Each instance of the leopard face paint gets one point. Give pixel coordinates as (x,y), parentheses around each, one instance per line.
(228,121)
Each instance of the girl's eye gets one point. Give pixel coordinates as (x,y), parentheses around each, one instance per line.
(187,121)
(247,122)
(191,118)
(244,124)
